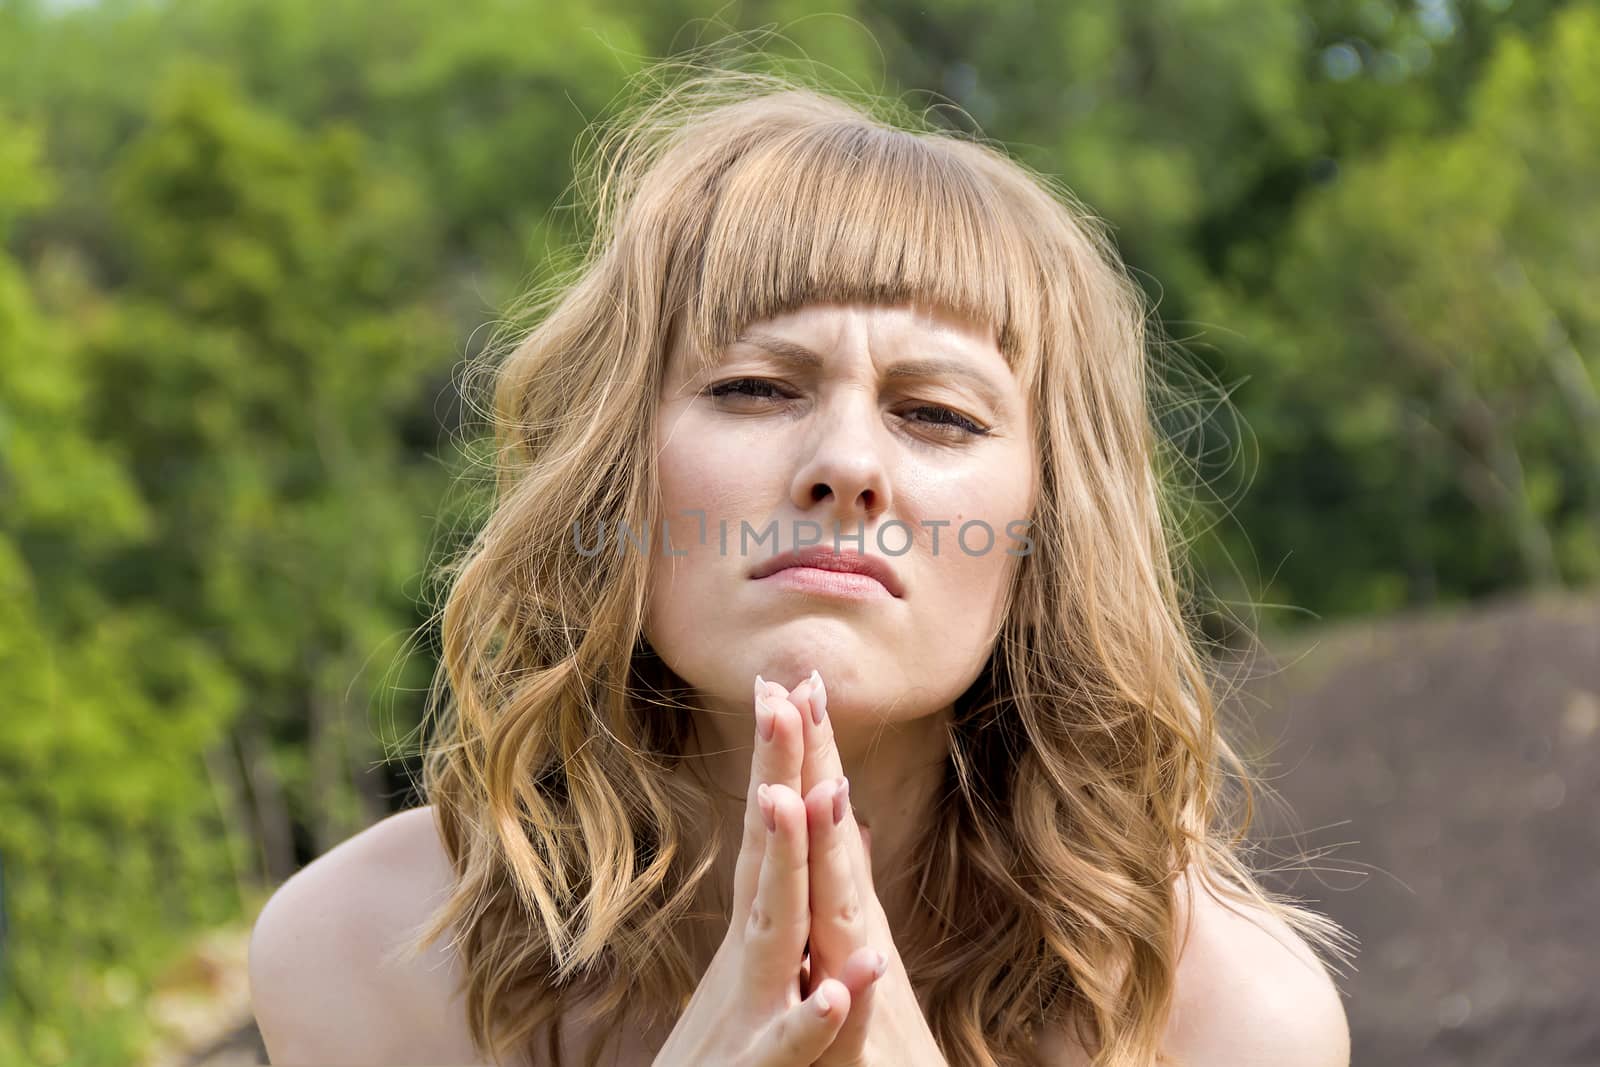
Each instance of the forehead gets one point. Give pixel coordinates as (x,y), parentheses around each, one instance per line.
(851,215)
(929,339)
(831,322)
(836,325)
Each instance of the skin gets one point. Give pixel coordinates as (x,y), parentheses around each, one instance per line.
(844,441)
(1249,991)
(802,873)
(840,443)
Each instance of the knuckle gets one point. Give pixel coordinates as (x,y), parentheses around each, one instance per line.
(848,911)
(795,862)
(766,928)
(785,1037)
(761,925)
(827,747)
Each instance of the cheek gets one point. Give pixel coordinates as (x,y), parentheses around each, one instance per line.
(972,567)
(699,486)
(700,472)
(971,570)
(982,500)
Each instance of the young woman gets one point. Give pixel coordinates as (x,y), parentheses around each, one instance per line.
(820,689)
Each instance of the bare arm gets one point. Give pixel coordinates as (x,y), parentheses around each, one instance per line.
(1251,993)
(320,989)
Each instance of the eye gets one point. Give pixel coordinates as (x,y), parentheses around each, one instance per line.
(942,420)
(759,388)
(947,421)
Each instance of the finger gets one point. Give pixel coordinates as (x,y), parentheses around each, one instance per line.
(860,975)
(866,851)
(838,919)
(786,752)
(774,759)
(804,1032)
(821,761)
(783,757)
(775,931)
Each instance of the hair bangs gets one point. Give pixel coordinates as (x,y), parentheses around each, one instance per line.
(842,212)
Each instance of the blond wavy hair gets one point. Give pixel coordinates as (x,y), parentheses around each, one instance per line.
(1087,765)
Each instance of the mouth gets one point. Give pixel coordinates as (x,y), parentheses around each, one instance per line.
(826,570)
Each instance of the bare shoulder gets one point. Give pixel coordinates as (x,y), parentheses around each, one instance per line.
(323,987)
(1249,993)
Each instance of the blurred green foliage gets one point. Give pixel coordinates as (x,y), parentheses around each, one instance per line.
(244,245)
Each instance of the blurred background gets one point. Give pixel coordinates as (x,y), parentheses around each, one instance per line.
(245,245)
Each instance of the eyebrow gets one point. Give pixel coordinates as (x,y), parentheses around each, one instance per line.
(926,367)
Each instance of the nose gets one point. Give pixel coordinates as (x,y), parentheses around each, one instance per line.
(844,475)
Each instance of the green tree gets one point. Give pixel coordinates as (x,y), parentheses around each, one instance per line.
(1425,352)
(188,611)
(109,832)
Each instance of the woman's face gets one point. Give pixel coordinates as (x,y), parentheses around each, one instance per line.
(895,426)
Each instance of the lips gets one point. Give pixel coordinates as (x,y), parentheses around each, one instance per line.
(828,560)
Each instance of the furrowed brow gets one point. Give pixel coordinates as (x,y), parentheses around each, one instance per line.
(929,368)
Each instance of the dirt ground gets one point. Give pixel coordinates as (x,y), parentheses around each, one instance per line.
(1443,774)
(1455,763)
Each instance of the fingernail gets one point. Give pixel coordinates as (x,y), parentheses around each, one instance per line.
(883,965)
(819,698)
(840,796)
(765,720)
(821,1002)
(768,814)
